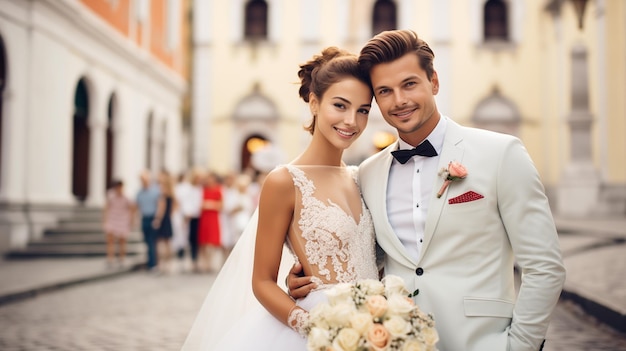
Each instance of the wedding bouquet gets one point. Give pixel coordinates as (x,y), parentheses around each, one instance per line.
(370,315)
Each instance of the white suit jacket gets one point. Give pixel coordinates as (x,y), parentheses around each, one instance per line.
(465,273)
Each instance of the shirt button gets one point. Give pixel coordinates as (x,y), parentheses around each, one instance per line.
(419,271)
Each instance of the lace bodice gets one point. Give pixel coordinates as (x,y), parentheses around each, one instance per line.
(331,234)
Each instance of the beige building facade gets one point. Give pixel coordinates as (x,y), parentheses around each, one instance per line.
(90,91)
(542,70)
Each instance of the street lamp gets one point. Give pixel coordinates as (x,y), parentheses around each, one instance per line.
(579,7)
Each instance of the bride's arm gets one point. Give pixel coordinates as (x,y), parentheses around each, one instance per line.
(276,206)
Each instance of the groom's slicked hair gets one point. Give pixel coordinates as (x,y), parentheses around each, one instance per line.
(390,45)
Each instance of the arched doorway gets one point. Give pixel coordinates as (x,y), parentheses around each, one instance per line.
(80,168)
(3,80)
(256,122)
(251,145)
(110,140)
(498,114)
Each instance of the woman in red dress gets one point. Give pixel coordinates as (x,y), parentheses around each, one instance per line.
(209,237)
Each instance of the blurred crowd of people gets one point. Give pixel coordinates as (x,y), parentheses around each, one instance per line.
(189,222)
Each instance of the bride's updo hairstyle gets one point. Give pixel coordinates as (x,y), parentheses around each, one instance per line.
(326,69)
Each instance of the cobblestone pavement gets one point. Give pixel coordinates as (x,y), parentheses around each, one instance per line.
(572,330)
(140,311)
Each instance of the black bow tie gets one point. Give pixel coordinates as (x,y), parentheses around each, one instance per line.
(423,149)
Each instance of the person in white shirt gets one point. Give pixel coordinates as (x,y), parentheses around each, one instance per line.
(244,206)
(189,194)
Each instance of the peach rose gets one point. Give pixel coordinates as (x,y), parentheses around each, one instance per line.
(456,170)
(376,305)
(378,336)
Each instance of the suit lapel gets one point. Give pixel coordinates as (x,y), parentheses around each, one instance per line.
(388,238)
(452,151)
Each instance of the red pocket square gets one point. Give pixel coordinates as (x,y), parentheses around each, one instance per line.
(467,197)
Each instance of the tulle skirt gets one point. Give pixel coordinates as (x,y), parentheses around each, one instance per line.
(258,330)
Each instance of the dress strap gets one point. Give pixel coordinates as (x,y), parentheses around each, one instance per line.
(300,180)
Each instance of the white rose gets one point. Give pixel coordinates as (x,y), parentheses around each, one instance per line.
(397,326)
(339,293)
(413,345)
(318,339)
(372,287)
(317,316)
(339,315)
(399,305)
(430,335)
(361,322)
(395,285)
(347,340)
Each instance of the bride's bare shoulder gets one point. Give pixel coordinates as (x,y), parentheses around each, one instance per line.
(279,182)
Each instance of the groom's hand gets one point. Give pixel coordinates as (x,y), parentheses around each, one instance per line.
(298,286)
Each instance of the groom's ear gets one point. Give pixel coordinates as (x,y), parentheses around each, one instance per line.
(434,81)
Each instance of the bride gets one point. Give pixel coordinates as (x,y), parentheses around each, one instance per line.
(313,207)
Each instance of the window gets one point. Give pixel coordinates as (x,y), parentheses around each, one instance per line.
(110,141)
(384,16)
(496,23)
(81,142)
(256,20)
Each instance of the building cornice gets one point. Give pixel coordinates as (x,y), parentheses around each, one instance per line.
(77,17)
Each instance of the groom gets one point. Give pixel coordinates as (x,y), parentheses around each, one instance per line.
(455,242)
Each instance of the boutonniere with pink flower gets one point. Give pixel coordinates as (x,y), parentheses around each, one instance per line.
(455,171)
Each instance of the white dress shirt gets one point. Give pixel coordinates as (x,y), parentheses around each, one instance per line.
(409,190)
(189,199)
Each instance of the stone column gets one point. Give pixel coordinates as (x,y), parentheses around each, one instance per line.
(579,188)
(200,84)
(97,161)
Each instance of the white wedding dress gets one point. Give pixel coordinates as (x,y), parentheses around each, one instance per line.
(331,234)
